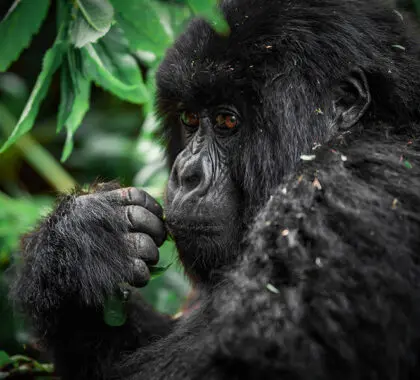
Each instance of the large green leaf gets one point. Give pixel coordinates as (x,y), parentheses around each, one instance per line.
(178,15)
(209,10)
(17,28)
(144,25)
(92,21)
(75,94)
(110,64)
(52,61)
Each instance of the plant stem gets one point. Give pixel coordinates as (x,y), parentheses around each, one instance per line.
(37,156)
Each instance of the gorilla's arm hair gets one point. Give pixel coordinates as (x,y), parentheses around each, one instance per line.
(70,264)
(329,287)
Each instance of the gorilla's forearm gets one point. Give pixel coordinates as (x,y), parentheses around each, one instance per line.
(95,347)
(71,264)
(84,347)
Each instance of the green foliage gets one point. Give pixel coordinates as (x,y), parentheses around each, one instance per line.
(209,10)
(52,61)
(92,20)
(17,216)
(114,313)
(111,66)
(143,25)
(97,41)
(22,365)
(75,94)
(112,44)
(157,271)
(17,28)
(4,359)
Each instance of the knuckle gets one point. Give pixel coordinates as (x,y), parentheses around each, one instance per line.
(126,194)
(132,194)
(142,197)
(129,213)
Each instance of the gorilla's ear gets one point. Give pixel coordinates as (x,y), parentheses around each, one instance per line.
(351,98)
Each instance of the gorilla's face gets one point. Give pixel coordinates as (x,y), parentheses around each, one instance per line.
(203,202)
(245,124)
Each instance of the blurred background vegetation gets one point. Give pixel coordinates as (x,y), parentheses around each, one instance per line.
(76,105)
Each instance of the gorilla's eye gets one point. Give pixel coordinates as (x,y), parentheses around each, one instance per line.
(227,121)
(190,119)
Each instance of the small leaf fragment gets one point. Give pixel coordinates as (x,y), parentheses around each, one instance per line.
(272,289)
(114,312)
(306,157)
(156,271)
(408,164)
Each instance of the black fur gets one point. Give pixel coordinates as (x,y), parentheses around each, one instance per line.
(328,285)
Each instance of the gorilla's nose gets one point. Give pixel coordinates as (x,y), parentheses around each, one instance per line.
(190,176)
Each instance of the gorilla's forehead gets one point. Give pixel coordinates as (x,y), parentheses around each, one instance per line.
(203,68)
(313,40)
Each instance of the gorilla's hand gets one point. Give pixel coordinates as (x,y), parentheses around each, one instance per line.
(143,230)
(75,260)
(87,247)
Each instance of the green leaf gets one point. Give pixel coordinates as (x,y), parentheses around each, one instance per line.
(114,311)
(158,271)
(17,28)
(408,164)
(52,61)
(179,14)
(210,11)
(92,21)
(4,359)
(144,25)
(110,64)
(75,94)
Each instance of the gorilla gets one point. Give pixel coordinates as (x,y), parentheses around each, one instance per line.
(294,205)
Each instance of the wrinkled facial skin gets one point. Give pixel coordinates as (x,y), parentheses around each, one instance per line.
(202,202)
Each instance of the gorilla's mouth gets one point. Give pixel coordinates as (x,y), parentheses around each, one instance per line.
(184,227)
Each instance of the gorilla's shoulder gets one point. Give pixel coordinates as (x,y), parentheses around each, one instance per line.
(334,252)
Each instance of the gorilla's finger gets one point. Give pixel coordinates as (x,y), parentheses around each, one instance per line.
(144,247)
(142,220)
(134,196)
(141,273)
